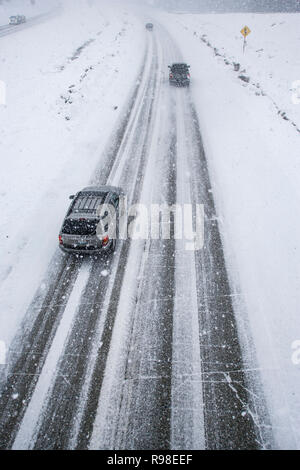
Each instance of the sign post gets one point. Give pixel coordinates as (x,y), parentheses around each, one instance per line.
(245,32)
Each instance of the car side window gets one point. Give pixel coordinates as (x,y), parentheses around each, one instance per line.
(115,200)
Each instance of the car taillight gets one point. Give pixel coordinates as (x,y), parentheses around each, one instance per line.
(60,240)
(188,75)
(105,241)
(171,75)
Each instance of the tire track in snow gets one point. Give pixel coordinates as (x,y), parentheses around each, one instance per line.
(144,420)
(25,364)
(101,363)
(33,21)
(187,402)
(232,419)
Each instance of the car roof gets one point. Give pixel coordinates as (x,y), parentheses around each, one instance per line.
(102,189)
(88,200)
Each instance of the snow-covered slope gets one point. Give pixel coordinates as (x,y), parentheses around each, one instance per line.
(253,154)
(67,81)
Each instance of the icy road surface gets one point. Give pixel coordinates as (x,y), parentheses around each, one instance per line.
(147,357)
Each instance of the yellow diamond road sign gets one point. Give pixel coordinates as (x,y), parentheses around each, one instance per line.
(245,31)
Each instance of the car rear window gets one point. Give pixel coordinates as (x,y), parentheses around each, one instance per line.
(87,203)
(80,227)
(180,68)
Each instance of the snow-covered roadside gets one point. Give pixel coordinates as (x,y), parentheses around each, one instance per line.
(67,81)
(271,58)
(253,156)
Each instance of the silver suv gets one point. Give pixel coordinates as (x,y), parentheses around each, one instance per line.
(85,228)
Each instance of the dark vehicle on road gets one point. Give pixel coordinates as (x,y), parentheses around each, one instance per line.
(149,26)
(85,228)
(17,19)
(179,74)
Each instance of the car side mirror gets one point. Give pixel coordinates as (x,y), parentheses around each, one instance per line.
(169,66)
(72,197)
